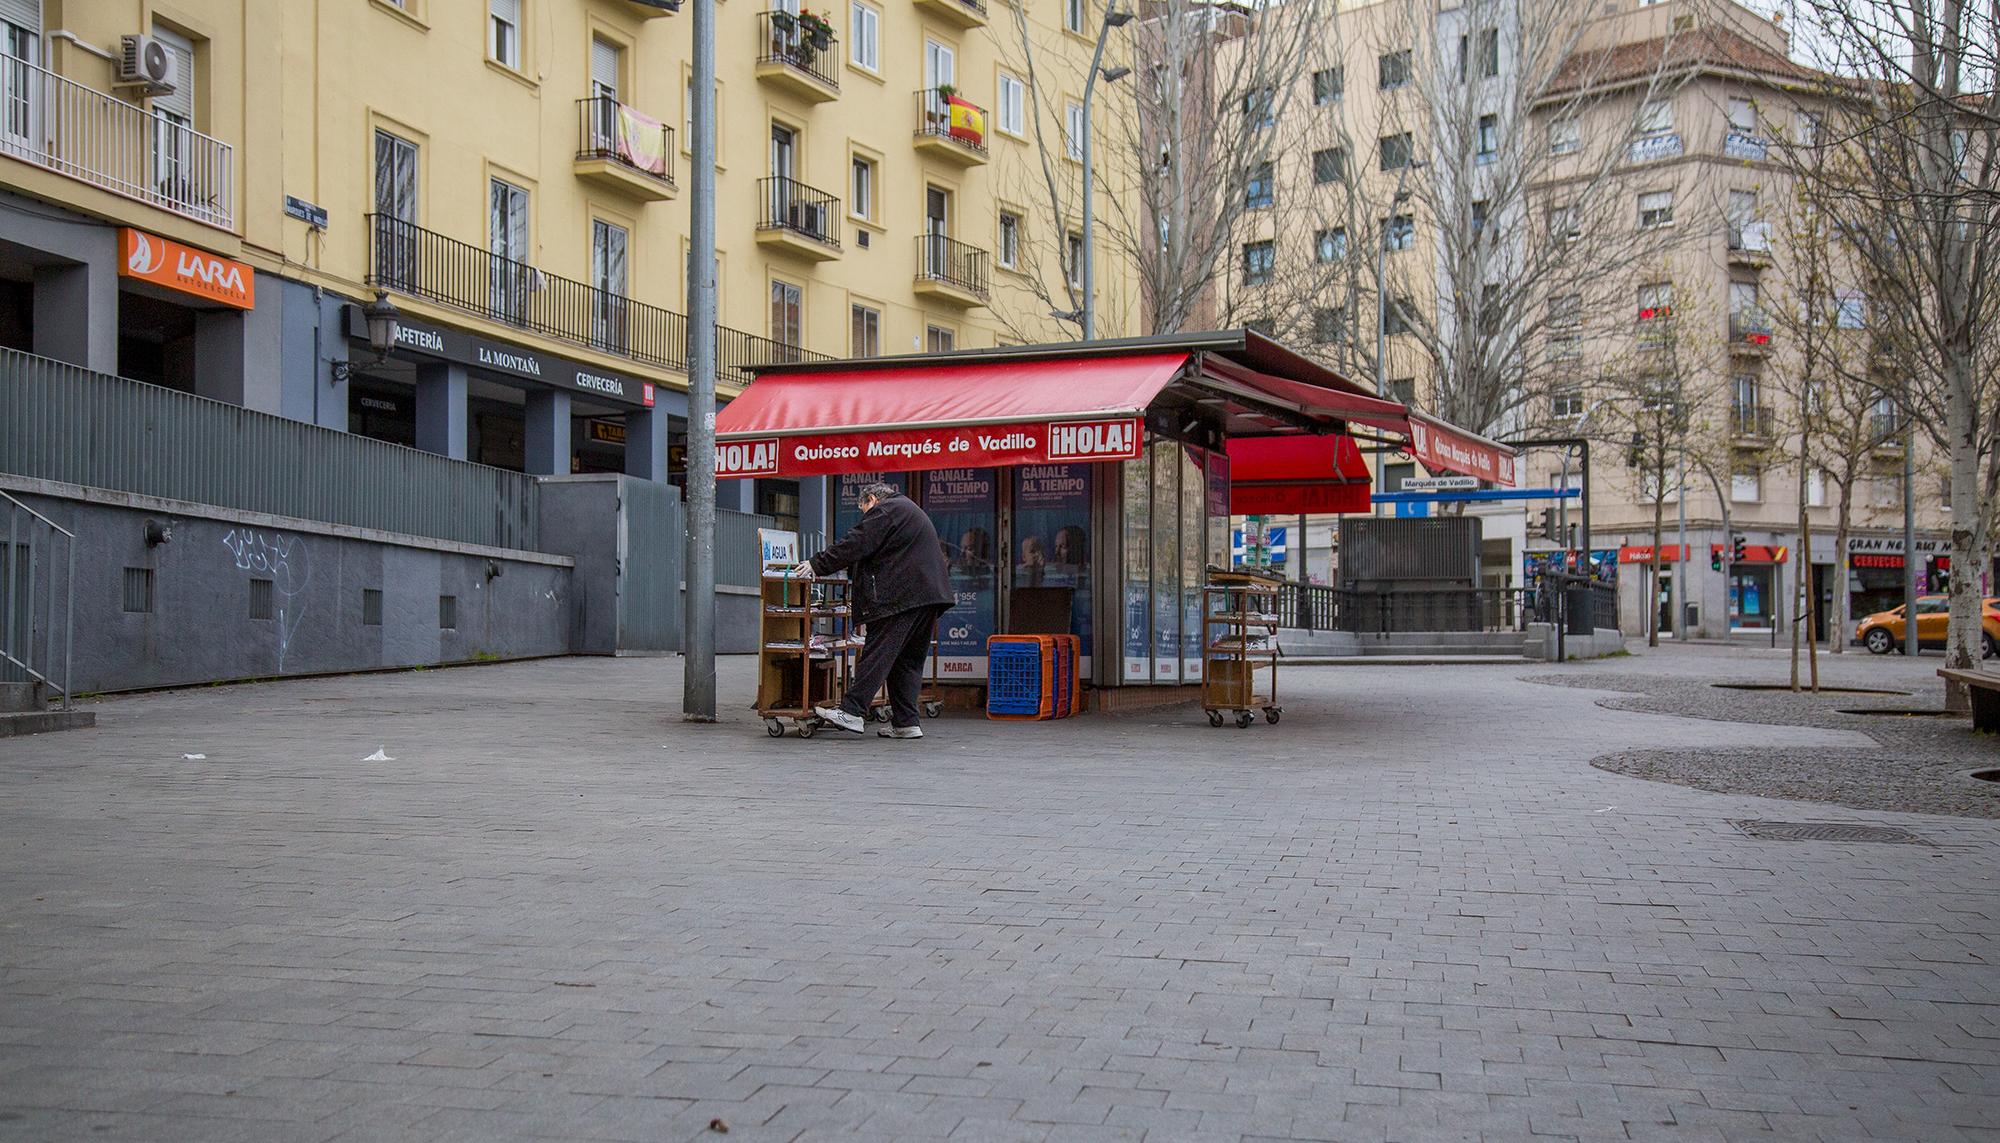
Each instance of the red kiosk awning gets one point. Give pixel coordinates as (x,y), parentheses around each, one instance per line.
(1285,418)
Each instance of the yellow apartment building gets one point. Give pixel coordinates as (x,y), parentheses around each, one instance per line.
(511,177)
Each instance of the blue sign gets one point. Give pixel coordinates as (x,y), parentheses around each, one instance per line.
(1275,538)
(1413,508)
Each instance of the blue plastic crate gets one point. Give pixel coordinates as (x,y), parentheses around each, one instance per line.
(1014,679)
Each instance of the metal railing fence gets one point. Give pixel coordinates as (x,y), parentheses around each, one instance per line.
(37,635)
(63,423)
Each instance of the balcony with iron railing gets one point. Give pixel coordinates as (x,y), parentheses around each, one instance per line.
(798,219)
(624,150)
(1750,244)
(64,126)
(798,56)
(1752,422)
(961,13)
(950,128)
(1750,333)
(951,271)
(425,264)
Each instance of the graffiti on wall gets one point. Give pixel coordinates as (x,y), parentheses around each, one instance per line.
(280,558)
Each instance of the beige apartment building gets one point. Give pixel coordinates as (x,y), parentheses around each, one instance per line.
(1663,170)
(512,176)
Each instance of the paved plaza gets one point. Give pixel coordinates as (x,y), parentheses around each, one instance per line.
(1413,910)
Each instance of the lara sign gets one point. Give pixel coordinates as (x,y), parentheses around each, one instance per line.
(904,450)
(186,270)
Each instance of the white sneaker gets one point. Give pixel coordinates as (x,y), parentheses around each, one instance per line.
(834,716)
(901,732)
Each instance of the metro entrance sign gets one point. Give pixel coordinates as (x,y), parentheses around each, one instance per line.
(906,450)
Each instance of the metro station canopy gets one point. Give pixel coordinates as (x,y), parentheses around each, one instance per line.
(1287,422)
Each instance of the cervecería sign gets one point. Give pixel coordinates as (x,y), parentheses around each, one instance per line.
(499,357)
(904,450)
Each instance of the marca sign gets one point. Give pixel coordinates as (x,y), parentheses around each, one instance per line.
(905,450)
(1442,448)
(186,270)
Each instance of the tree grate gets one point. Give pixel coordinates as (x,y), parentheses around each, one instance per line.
(1827,831)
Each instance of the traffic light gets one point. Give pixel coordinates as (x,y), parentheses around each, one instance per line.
(1736,552)
(1715,558)
(1550,530)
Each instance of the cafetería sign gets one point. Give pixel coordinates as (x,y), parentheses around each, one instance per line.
(906,450)
(185,270)
(490,356)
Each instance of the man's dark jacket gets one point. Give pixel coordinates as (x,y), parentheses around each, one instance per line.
(895,558)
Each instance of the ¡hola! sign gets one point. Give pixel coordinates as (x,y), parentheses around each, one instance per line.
(186,270)
(904,450)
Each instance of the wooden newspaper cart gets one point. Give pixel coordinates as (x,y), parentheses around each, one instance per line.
(1239,639)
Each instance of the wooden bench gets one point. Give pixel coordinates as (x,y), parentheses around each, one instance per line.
(1984,687)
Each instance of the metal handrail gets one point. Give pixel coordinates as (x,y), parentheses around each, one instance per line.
(53,121)
(602,134)
(22,655)
(789,204)
(786,41)
(943,259)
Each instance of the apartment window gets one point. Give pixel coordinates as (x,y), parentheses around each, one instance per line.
(864,26)
(1488,59)
(1805,129)
(507,240)
(1656,301)
(1489,137)
(864,337)
(1074,244)
(174,112)
(1563,225)
(1656,117)
(1565,137)
(1396,316)
(1395,151)
(1258,193)
(1566,311)
(1656,209)
(1393,69)
(1742,116)
(1009,254)
(1330,245)
(608,244)
(1013,101)
(1329,85)
(938,339)
(1478,218)
(1748,392)
(1399,233)
(787,313)
(1850,309)
(1073,13)
(1327,326)
(1566,404)
(1742,297)
(1260,261)
(1742,209)
(1816,488)
(1746,486)
(1402,389)
(503,32)
(1329,165)
(1073,130)
(862,198)
(1260,109)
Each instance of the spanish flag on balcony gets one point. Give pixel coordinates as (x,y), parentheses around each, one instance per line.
(967,122)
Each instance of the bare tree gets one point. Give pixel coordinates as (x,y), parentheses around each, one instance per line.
(1921,190)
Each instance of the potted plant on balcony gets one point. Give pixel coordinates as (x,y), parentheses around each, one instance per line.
(819,32)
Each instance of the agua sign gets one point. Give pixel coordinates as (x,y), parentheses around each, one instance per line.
(905,450)
(186,270)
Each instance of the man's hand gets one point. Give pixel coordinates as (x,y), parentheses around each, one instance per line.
(805,571)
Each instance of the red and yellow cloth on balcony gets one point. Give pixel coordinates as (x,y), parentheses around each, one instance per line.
(642,141)
(967,122)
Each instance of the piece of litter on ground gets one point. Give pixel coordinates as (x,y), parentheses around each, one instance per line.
(380,755)
(195,757)
(1604,810)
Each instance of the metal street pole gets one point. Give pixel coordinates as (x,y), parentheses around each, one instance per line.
(1909,537)
(698,646)
(1113,18)
(1681,569)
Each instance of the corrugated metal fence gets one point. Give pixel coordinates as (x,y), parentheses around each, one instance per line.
(65,423)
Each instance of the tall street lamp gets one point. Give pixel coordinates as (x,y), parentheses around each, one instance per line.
(1113,18)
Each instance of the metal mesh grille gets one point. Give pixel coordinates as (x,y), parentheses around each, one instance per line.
(447,611)
(260,599)
(371,607)
(1826,831)
(139,590)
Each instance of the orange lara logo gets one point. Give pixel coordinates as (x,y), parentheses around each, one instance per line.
(147,255)
(186,270)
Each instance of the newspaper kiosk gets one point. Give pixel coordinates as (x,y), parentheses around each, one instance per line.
(1083,488)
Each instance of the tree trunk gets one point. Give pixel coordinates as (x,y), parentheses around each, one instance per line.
(1968,528)
(1843,599)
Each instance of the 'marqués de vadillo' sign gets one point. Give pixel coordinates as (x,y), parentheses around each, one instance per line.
(502,358)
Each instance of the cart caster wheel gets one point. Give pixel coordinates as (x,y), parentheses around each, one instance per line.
(1244,719)
(878,714)
(1215,718)
(933,709)
(774,728)
(1271,714)
(807,729)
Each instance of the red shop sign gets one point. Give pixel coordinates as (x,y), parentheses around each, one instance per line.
(905,450)
(1443,449)
(1643,554)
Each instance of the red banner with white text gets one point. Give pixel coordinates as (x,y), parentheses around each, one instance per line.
(1442,448)
(906,450)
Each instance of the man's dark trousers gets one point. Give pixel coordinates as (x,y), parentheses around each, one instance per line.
(896,650)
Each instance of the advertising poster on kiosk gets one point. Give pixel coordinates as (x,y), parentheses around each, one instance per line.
(1135,585)
(847,496)
(1052,536)
(962,505)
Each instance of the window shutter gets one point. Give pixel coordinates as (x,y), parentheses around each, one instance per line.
(181,102)
(508,10)
(23,14)
(603,67)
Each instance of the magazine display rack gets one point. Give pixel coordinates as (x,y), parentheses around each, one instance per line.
(1239,639)
(805,650)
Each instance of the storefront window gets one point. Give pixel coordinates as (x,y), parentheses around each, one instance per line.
(1194,497)
(847,496)
(1751,595)
(1136,584)
(1166,560)
(961,503)
(1052,536)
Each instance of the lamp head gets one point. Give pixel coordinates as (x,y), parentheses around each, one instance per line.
(384,320)
(1114,74)
(1117,17)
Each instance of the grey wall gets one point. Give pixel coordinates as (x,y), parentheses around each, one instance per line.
(200,629)
(76,280)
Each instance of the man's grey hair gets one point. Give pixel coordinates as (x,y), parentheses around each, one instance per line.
(877,491)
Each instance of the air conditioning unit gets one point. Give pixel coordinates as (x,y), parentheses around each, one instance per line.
(145,61)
